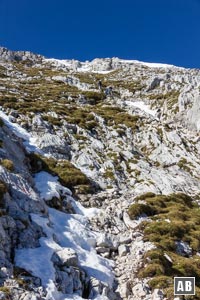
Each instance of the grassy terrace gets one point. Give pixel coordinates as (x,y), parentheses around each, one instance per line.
(40,94)
(29,69)
(174,218)
(110,80)
(2,72)
(171,99)
(53,97)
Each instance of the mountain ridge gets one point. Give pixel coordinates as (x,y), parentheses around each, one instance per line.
(5,53)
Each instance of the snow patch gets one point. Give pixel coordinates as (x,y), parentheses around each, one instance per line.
(29,141)
(71,231)
(148,64)
(76,65)
(49,187)
(141,105)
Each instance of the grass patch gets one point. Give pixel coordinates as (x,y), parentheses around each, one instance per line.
(52,120)
(116,116)
(139,209)
(94,97)
(6,290)
(132,86)
(86,78)
(171,99)
(39,94)
(8,164)
(174,218)
(184,164)
(109,174)
(68,174)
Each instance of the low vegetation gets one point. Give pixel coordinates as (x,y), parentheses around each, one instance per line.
(7,291)
(68,174)
(185,165)
(94,97)
(109,174)
(116,116)
(40,94)
(170,98)
(174,218)
(8,164)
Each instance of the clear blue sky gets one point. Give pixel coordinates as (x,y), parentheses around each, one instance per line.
(165,31)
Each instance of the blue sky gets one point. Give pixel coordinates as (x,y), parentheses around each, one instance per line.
(165,31)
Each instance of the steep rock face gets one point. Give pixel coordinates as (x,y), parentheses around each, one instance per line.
(193,114)
(73,159)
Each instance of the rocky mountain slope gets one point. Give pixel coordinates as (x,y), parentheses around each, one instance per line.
(99,193)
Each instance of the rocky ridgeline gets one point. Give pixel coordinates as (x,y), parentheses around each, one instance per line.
(8,55)
(107,149)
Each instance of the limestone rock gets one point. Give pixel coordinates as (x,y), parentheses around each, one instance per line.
(122,250)
(157,295)
(65,257)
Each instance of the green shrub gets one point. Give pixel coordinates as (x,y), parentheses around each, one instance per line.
(156,256)
(137,209)
(151,270)
(94,97)
(144,196)
(160,282)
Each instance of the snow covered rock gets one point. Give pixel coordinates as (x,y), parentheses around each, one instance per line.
(107,241)
(65,257)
